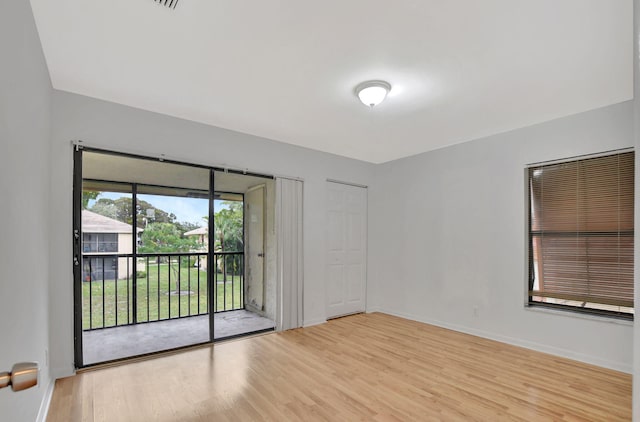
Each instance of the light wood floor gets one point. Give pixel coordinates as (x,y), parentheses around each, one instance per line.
(363,367)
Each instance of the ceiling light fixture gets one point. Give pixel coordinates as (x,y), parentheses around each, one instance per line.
(372,93)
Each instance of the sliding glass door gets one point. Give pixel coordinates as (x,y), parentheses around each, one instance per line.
(168,255)
(142,283)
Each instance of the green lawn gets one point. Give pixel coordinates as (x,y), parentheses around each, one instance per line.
(153,298)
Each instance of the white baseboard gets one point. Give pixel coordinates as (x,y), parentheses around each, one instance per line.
(46,401)
(313,322)
(569,354)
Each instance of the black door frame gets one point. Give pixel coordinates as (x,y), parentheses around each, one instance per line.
(77,237)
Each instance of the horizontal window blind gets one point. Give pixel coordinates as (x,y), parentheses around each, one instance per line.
(581,233)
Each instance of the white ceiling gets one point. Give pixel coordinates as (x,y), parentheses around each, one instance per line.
(286,70)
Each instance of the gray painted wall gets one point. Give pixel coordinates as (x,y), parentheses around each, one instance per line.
(123,128)
(25,112)
(463,201)
(636,102)
(448,236)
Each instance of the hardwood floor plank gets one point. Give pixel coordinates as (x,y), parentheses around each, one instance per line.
(363,367)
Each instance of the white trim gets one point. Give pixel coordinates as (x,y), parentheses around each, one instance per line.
(605,363)
(46,402)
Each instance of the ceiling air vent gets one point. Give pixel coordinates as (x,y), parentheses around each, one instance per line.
(171,4)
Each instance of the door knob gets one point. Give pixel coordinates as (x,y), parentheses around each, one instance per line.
(22,376)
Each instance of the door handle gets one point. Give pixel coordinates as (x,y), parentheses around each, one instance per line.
(261,255)
(22,376)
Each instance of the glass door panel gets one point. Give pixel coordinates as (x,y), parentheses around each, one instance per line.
(143,269)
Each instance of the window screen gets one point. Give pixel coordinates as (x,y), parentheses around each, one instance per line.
(581,234)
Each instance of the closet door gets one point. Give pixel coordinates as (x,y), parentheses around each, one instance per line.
(346,255)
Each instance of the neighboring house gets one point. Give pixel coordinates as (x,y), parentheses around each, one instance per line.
(202,237)
(103,235)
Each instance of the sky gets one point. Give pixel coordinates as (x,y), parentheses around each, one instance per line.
(185,209)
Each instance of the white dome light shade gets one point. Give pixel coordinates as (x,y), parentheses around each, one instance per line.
(372,93)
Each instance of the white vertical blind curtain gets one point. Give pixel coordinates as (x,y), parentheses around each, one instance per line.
(290,257)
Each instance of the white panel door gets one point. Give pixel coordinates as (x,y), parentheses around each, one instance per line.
(346,274)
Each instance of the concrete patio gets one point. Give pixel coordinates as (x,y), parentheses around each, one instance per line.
(133,340)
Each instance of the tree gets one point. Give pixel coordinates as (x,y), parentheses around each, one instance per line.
(186,226)
(106,207)
(229,227)
(229,234)
(88,195)
(121,209)
(165,237)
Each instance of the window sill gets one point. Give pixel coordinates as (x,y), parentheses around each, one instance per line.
(578,315)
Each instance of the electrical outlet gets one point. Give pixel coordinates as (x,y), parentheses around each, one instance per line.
(46,357)
(476,312)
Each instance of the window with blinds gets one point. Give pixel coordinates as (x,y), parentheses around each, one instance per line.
(581,234)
